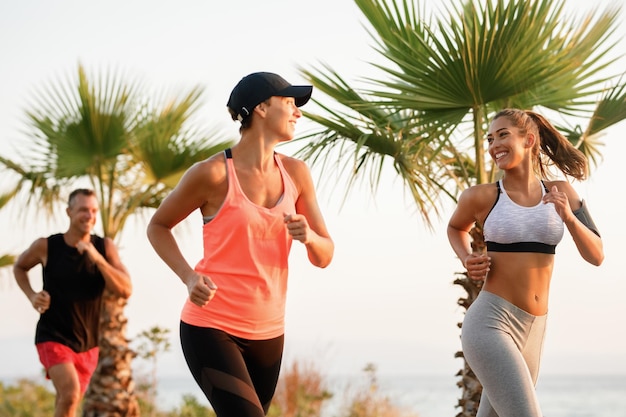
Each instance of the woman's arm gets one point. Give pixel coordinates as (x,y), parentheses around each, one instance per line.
(191,193)
(461,222)
(566,201)
(307,224)
(188,195)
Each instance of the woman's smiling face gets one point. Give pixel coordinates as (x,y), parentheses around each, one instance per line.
(507,146)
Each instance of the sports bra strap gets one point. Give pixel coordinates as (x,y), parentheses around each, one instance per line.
(542,183)
(229,153)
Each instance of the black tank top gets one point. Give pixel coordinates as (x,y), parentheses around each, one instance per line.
(75,286)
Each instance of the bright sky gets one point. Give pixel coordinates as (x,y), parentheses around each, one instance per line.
(388,297)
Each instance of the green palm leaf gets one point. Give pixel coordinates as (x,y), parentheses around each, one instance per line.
(165,147)
(6,259)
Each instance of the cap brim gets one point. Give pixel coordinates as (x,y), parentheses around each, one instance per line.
(302,93)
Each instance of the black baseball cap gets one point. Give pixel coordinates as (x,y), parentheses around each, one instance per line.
(258,87)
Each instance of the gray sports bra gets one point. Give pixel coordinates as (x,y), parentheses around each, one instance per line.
(510,227)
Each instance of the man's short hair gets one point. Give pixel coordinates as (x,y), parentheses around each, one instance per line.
(82,191)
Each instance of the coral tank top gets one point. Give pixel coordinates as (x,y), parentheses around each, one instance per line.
(246,249)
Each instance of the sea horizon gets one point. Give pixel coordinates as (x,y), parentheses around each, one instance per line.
(430,395)
(565,395)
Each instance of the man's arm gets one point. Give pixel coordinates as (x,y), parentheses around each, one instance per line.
(116,277)
(36,254)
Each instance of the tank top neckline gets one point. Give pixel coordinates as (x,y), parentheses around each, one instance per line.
(232,169)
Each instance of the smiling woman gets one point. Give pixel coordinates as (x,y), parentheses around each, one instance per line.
(254,203)
(523,216)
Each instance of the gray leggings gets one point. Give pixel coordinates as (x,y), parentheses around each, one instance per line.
(502,344)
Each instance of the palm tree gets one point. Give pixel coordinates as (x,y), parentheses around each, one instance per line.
(441,81)
(6,259)
(131,151)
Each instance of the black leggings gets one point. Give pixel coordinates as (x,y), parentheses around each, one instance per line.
(238,376)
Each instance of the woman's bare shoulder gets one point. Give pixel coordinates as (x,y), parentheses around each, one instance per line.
(211,170)
(479,192)
(292,162)
(567,188)
(477,200)
(298,169)
(560,184)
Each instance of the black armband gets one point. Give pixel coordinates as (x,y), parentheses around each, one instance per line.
(583,215)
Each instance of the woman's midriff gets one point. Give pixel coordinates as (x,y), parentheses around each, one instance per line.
(521,278)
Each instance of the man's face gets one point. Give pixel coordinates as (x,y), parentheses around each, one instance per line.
(83,212)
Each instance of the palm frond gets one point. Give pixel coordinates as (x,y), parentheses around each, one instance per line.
(610,109)
(164,145)
(6,260)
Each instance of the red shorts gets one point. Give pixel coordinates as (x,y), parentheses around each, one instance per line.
(53,353)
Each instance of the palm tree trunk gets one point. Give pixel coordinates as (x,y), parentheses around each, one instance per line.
(471,389)
(111,392)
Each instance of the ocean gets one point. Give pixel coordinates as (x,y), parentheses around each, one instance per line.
(436,396)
